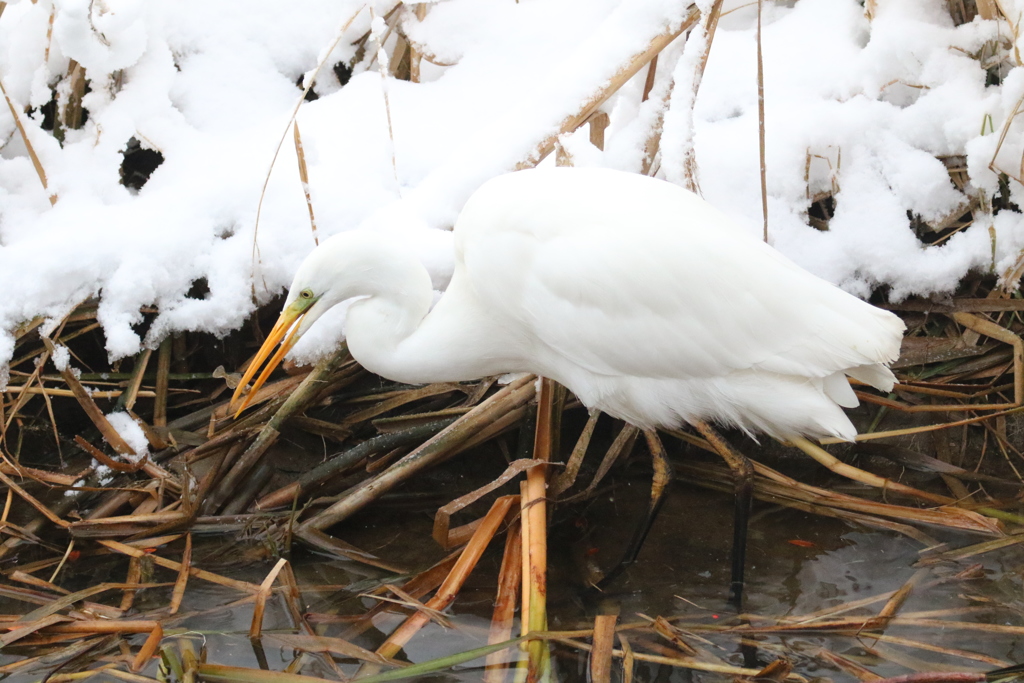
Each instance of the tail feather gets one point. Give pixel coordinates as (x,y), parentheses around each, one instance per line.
(838,389)
(877,375)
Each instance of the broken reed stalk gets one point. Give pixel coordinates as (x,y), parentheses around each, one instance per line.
(924,428)
(509,577)
(203,502)
(524,563)
(36,376)
(71,115)
(450,538)
(59,508)
(110,435)
(31,500)
(59,624)
(382,60)
(403,398)
(415,53)
(258,477)
(598,124)
(601,655)
(681,662)
(334,546)
(349,458)
(622,445)
(300,154)
(990,329)
(296,402)
(652,71)
(124,549)
(931,558)
(708,29)
(567,477)
(776,487)
(44,476)
(894,604)
(609,88)
(417,587)
(38,165)
(163,369)
(179,586)
(307,86)
(537,667)
(134,577)
(148,648)
(859,475)
(433,451)
(127,399)
(452,584)
(256,628)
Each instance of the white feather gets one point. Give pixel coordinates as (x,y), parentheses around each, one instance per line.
(640,297)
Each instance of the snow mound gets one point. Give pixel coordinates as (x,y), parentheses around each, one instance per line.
(871,111)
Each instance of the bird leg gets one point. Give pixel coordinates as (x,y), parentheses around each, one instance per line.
(659,485)
(743,474)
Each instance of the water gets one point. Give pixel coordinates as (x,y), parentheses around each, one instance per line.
(797,564)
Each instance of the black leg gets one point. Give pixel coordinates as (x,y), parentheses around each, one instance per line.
(743,473)
(659,485)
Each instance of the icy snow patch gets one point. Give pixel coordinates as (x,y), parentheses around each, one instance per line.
(132,433)
(61,357)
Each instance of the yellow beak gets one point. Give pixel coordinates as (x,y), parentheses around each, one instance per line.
(286,328)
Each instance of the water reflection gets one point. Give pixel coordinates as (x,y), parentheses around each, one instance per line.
(799,564)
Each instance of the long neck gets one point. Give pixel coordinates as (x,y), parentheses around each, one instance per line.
(399,297)
(391,334)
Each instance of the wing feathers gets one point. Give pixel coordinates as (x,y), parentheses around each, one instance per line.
(838,389)
(627,276)
(697,312)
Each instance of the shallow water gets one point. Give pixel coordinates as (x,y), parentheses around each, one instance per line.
(797,564)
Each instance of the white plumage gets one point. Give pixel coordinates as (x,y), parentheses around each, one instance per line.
(640,297)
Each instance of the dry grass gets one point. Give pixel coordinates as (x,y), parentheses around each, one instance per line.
(206,472)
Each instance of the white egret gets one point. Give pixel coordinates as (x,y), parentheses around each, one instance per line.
(640,297)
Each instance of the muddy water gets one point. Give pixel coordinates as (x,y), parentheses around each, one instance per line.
(797,564)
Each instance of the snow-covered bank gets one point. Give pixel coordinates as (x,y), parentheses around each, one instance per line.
(862,106)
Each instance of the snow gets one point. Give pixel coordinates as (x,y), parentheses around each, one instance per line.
(104,475)
(61,357)
(864,106)
(130,430)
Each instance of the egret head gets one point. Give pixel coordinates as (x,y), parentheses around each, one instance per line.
(319,284)
(350,264)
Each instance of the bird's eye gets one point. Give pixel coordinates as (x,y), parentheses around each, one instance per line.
(306,294)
